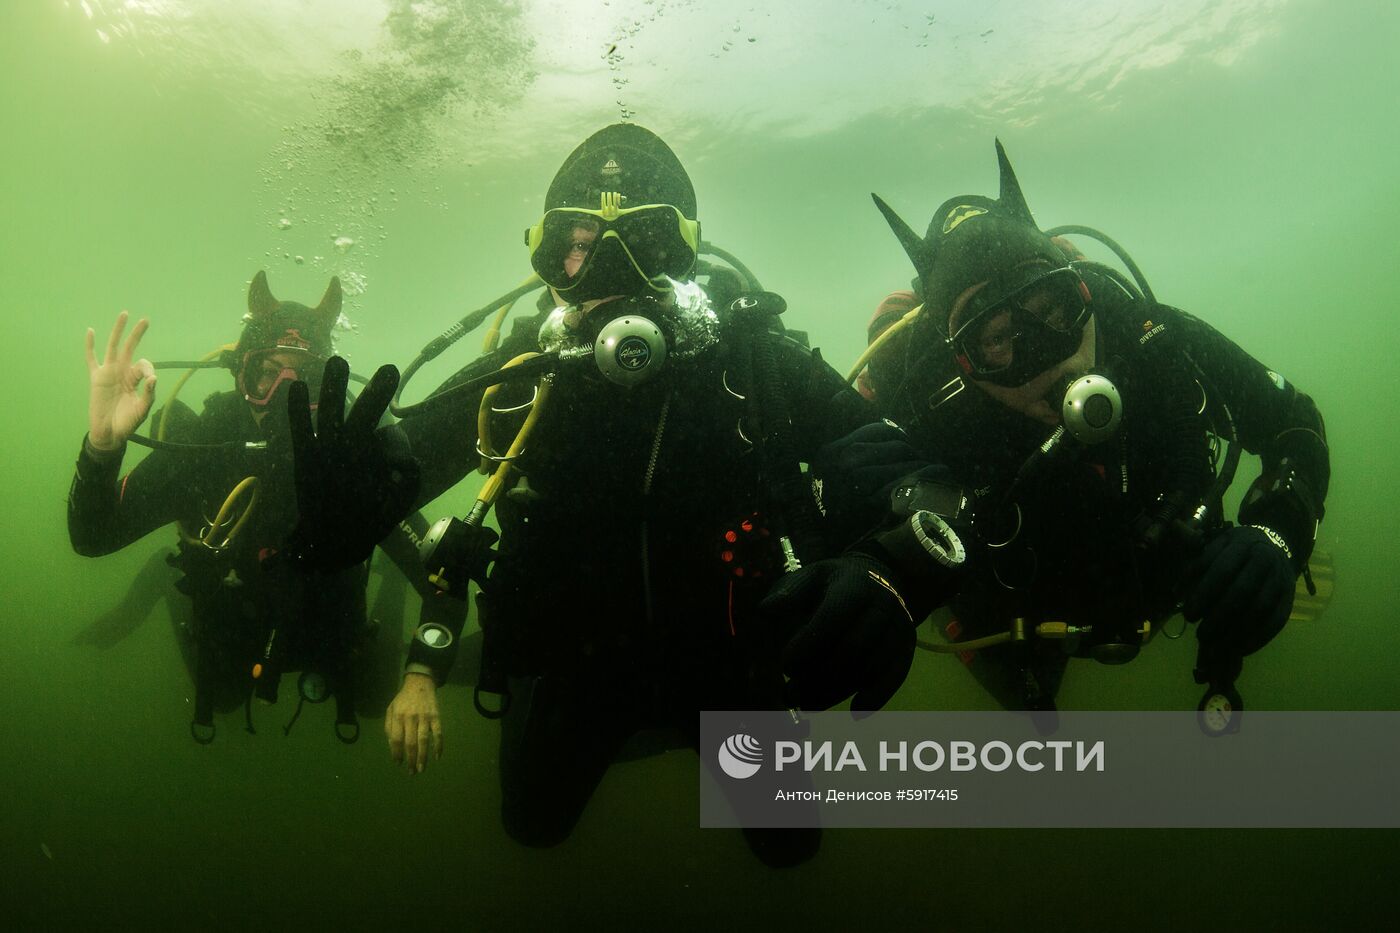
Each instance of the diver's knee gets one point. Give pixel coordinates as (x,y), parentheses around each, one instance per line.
(536,829)
(784,848)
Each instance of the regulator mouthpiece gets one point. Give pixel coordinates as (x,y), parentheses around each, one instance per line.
(630,350)
(1092,409)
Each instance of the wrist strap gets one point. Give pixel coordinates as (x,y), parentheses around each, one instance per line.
(1276,538)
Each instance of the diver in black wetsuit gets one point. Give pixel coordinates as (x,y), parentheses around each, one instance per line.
(1077,425)
(241,441)
(646,514)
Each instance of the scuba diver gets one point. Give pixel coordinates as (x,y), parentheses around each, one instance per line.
(650,494)
(1071,427)
(275,585)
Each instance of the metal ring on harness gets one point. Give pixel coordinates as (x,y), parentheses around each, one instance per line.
(502,458)
(522,406)
(202,739)
(724,381)
(739,427)
(1016,531)
(1169,636)
(353,737)
(224,521)
(1034,571)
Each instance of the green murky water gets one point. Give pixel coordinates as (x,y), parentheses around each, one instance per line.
(158,152)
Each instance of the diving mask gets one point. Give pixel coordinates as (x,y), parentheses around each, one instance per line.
(265,372)
(571,246)
(1010,339)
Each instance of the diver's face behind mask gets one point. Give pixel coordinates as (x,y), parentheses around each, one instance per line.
(588,254)
(267,375)
(1007,337)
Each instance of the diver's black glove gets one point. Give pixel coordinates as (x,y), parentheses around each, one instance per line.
(354,483)
(1242,589)
(856,473)
(851,632)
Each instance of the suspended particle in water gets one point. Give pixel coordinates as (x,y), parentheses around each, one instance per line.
(753,38)
(354,282)
(284,224)
(343,243)
(299,260)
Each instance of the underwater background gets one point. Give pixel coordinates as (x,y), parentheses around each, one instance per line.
(157,153)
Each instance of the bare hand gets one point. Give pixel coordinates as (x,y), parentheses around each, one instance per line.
(412,718)
(117,401)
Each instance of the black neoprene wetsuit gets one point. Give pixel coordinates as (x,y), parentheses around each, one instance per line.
(1078,554)
(321,619)
(633,550)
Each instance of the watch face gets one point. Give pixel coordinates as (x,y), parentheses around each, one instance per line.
(1217,713)
(313,687)
(434,636)
(941,499)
